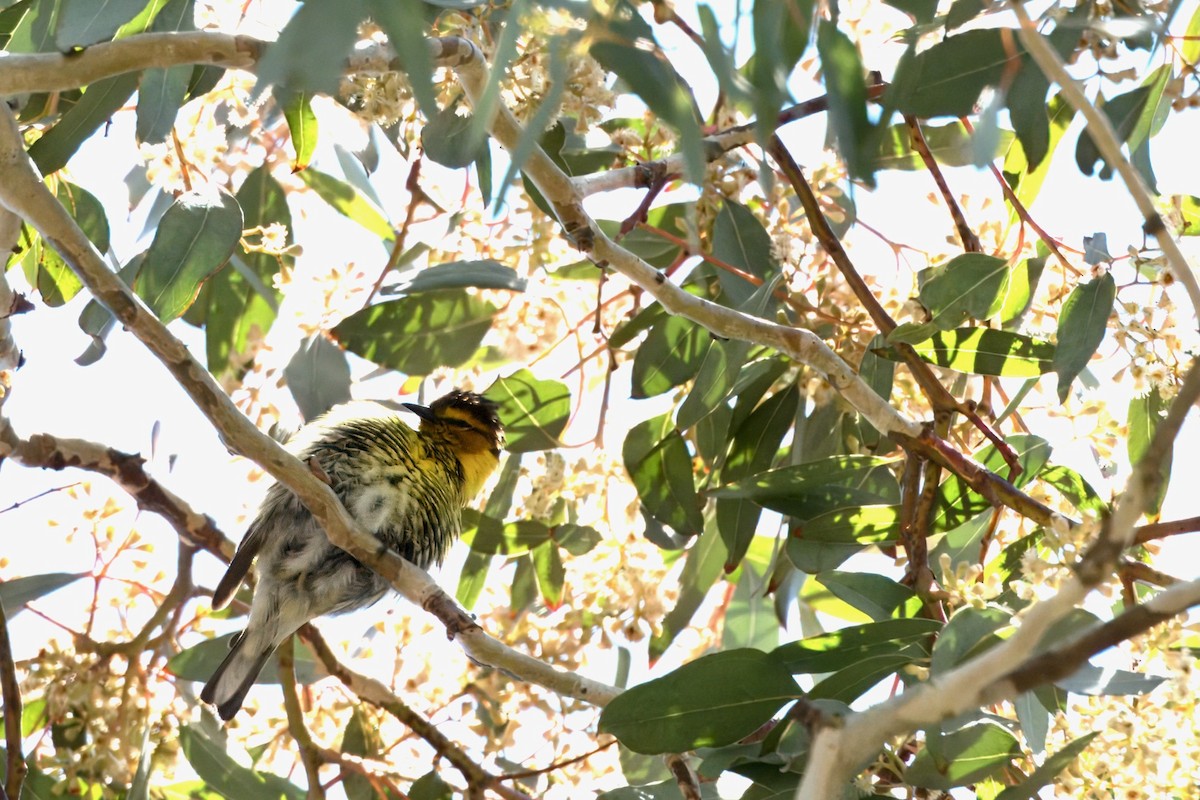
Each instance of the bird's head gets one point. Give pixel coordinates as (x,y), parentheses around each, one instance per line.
(471,426)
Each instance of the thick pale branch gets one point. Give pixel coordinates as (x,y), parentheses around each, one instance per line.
(56,72)
(1100,129)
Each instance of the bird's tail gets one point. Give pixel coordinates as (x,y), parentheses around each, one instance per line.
(227,687)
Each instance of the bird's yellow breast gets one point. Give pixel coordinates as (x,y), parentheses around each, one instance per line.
(477,468)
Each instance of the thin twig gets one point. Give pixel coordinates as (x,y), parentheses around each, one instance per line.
(970,241)
(685,777)
(310,754)
(1161,530)
(12,712)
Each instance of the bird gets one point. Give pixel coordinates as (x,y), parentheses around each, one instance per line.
(407,487)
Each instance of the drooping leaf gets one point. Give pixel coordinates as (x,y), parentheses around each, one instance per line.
(1045,774)
(660,467)
(1081,328)
(99,102)
(846,89)
(950,145)
(740,240)
(237,305)
(871,597)
(534,412)
(713,383)
(704,562)
(850,682)
(449,138)
(194,239)
(781,34)
(664,92)
(1019,290)
(409,42)
(310,54)
(160,95)
(302,125)
(318,376)
(1093,680)
(967,286)
(712,701)
(351,204)
(671,355)
(16,593)
(969,632)
(1146,412)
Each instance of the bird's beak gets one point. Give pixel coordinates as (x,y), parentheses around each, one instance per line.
(424,412)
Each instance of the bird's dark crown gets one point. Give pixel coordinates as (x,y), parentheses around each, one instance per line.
(476,411)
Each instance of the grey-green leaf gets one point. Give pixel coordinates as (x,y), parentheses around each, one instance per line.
(1081,328)
(712,701)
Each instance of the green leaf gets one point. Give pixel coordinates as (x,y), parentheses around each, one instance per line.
(1081,328)
(829,652)
(713,383)
(534,412)
(99,102)
(194,239)
(228,777)
(408,41)
(450,139)
(302,125)
(781,34)
(1073,487)
(968,755)
(1134,116)
(577,540)
(671,355)
(703,563)
(851,681)
(871,524)
(987,351)
(808,490)
(750,616)
(311,51)
(429,786)
(198,662)
(877,597)
(1092,680)
(548,566)
(1026,175)
(1145,414)
(665,93)
(950,145)
(486,534)
(16,593)
(342,197)
(318,376)
(967,286)
(361,738)
(846,89)
(1045,774)
(56,281)
(968,633)
(418,334)
(484,274)
(660,467)
(85,22)
(947,78)
(740,240)
(713,701)
(1019,290)
(160,96)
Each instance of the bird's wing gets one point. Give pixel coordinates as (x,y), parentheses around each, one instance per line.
(239,566)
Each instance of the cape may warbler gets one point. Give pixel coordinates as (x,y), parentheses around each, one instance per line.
(406,487)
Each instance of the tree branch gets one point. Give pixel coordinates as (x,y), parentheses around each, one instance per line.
(127,470)
(10,690)
(310,754)
(56,72)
